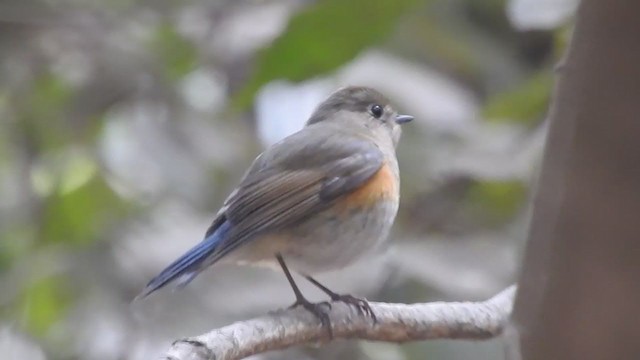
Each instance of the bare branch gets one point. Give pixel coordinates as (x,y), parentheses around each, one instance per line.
(396,323)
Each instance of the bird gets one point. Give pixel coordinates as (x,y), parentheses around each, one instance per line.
(318,200)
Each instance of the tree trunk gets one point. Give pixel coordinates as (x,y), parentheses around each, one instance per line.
(579,291)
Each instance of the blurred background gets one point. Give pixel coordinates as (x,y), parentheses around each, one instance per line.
(124,125)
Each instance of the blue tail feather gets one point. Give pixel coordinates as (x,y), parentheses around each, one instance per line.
(187,266)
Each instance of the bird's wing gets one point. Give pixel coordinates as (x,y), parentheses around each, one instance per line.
(293,180)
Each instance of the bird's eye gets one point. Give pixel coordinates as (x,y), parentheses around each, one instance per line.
(376,111)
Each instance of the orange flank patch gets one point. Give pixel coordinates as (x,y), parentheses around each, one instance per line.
(383,185)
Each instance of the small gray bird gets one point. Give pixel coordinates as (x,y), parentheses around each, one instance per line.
(316,201)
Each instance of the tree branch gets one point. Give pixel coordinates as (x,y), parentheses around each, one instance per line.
(396,323)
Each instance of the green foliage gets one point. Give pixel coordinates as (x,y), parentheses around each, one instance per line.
(321,38)
(177,55)
(497,201)
(82,205)
(43,111)
(526,104)
(49,92)
(561,38)
(72,205)
(448,46)
(44,302)
(5,135)
(13,245)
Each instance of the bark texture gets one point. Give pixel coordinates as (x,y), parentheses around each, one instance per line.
(580,286)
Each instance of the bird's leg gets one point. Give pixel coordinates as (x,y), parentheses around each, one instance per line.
(319,310)
(361,304)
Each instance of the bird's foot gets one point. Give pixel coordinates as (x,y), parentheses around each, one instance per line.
(320,310)
(362,305)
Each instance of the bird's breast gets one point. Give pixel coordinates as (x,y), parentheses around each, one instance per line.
(383,186)
(356,225)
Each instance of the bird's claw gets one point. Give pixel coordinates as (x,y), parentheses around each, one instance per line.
(320,310)
(362,305)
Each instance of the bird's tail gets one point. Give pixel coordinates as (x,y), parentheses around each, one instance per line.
(188,265)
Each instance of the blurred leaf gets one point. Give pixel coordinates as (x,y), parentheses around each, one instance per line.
(497,201)
(526,104)
(14,244)
(43,110)
(561,38)
(82,207)
(79,171)
(177,54)
(45,302)
(49,92)
(447,46)
(43,180)
(321,38)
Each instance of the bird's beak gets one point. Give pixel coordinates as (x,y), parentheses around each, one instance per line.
(401,119)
